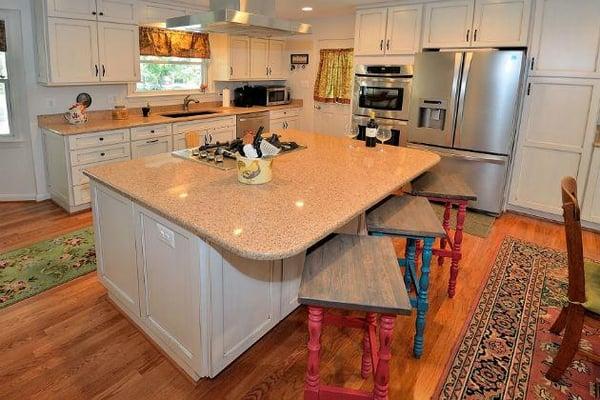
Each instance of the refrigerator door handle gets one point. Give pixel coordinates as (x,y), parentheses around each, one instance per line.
(464,81)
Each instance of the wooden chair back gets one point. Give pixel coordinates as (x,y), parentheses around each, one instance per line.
(192,139)
(572,217)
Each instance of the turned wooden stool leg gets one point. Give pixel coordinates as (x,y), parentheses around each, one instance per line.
(446,225)
(411,245)
(367,357)
(456,251)
(423,298)
(315,324)
(382,374)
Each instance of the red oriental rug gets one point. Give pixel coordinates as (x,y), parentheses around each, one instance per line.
(506,347)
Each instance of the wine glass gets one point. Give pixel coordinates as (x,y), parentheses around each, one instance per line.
(383,135)
(351,131)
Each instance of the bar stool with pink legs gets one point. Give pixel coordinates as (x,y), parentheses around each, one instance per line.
(451,190)
(356,273)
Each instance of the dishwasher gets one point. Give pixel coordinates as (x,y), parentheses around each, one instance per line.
(252,121)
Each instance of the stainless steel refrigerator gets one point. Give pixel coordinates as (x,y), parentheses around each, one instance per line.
(464,106)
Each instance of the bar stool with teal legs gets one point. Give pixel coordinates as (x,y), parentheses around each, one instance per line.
(411,218)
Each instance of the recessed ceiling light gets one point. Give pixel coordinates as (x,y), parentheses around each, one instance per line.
(307,8)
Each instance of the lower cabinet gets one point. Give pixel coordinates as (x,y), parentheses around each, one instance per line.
(202,305)
(170,277)
(115,247)
(150,147)
(245,304)
(591,201)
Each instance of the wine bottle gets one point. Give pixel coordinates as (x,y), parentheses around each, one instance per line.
(371,131)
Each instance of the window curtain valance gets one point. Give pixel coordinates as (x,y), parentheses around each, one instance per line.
(334,78)
(2,36)
(170,43)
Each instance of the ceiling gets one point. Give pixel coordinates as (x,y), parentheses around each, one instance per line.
(291,9)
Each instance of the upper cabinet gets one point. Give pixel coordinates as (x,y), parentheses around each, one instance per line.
(119,11)
(156,14)
(237,58)
(566,38)
(476,23)
(87,42)
(501,23)
(388,31)
(448,24)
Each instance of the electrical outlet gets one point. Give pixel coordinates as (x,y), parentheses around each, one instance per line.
(166,235)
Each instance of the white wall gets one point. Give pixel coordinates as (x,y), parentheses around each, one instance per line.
(302,81)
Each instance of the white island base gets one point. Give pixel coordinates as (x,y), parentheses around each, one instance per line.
(201,305)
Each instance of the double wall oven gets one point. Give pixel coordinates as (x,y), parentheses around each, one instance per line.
(386,91)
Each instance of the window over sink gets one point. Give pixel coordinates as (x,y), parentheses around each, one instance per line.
(172,61)
(171,74)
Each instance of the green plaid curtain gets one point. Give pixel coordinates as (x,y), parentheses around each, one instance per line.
(2,36)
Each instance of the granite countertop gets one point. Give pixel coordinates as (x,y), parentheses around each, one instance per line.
(313,193)
(99,121)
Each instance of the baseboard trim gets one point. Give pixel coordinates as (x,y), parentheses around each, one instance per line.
(18,197)
(43,196)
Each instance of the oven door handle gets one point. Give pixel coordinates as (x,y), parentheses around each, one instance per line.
(365,80)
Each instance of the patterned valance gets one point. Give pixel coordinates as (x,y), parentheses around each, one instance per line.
(169,43)
(2,36)
(334,78)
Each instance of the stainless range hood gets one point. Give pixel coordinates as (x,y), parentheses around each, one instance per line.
(239,17)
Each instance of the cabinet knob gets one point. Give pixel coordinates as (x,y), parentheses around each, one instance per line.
(102,154)
(101,139)
(152,131)
(101,13)
(94,12)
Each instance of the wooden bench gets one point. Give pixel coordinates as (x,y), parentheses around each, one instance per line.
(356,273)
(449,189)
(411,218)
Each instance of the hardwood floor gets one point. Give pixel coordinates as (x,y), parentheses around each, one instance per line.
(70,342)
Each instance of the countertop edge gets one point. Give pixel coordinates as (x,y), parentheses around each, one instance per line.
(290,252)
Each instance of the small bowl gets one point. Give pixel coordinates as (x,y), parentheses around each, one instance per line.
(254,171)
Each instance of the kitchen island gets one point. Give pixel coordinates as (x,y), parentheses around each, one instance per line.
(206,266)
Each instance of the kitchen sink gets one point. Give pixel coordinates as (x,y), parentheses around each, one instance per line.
(189,114)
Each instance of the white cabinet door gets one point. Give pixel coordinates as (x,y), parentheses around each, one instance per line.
(145,148)
(119,11)
(404,30)
(501,23)
(245,298)
(170,305)
(156,14)
(277,60)
(591,202)
(370,32)
(73,49)
(290,283)
(115,246)
(179,142)
(555,140)
(239,57)
(79,9)
(221,135)
(259,53)
(566,39)
(119,51)
(448,24)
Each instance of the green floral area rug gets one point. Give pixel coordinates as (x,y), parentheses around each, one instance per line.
(507,346)
(31,270)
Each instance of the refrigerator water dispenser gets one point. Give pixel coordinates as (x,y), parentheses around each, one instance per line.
(432,114)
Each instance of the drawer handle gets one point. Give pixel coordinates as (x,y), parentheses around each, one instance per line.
(152,141)
(101,139)
(102,154)
(152,131)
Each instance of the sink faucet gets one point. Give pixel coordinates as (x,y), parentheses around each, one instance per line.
(189,99)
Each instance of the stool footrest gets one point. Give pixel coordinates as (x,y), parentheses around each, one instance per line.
(339,393)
